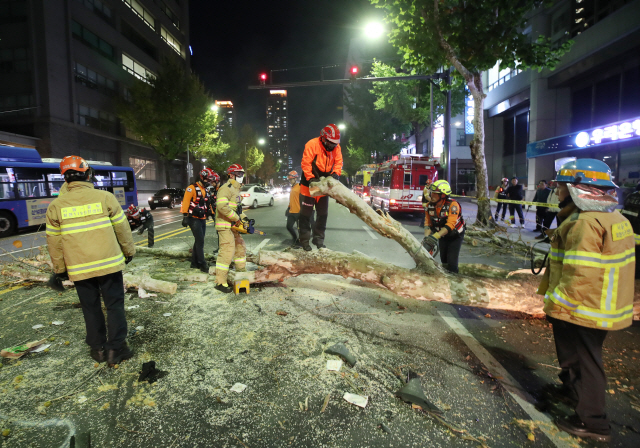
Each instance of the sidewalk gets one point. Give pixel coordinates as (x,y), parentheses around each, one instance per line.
(528,235)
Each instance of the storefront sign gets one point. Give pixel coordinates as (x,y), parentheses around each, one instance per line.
(620,131)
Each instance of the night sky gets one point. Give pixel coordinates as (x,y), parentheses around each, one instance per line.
(234,41)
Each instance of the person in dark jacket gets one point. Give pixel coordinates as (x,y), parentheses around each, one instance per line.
(541,196)
(631,211)
(515,192)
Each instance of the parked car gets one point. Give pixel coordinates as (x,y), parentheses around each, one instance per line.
(167,197)
(255,195)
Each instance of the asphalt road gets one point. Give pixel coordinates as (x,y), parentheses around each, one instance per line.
(483,368)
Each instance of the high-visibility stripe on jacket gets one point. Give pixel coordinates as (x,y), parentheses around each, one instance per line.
(318,162)
(195,200)
(87,232)
(227,205)
(589,279)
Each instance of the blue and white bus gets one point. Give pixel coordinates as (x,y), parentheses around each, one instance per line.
(28,184)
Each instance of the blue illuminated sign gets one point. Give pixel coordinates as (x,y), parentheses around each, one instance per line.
(468,113)
(618,132)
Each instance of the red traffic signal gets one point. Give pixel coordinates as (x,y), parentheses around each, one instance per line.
(263,76)
(354,70)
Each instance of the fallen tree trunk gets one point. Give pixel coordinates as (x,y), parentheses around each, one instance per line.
(169,253)
(382,223)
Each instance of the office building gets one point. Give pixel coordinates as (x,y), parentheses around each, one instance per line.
(588,107)
(227,115)
(278,129)
(64,64)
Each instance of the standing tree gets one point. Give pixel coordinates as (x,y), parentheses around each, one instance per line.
(268,168)
(410,101)
(254,160)
(471,36)
(170,112)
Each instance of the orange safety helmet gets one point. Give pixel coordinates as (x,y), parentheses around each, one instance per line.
(292,175)
(74,163)
(331,133)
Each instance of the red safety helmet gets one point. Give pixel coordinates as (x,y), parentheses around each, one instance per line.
(292,175)
(206,174)
(132,209)
(504,179)
(331,133)
(235,168)
(73,163)
(215,177)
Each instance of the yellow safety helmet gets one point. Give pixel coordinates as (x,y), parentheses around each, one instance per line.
(441,186)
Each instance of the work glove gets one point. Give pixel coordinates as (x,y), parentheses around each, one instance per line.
(430,242)
(63,276)
(185,221)
(127,260)
(55,281)
(313,179)
(335,176)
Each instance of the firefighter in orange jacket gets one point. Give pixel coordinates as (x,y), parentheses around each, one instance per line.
(444,225)
(90,241)
(588,290)
(196,206)
(322,157)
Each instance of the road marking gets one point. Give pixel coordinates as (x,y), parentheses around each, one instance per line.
(25,300)
(262,244)
(371,234)
(13,288)
(516,391)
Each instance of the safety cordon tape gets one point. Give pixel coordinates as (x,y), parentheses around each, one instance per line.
(509,201)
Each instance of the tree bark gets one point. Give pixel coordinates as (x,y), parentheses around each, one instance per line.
(381,222)
(416,130)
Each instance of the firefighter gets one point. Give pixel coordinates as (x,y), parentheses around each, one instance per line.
(293,210)
(425,198)
(322,157)
(229,215)
(141,220)
(89,242)
(195,207)
(213,195)
(444,225)
(501,193)
(588,290)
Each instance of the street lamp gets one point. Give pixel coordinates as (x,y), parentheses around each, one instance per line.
(342,126)
(261,141)
(374,30)
(214,108)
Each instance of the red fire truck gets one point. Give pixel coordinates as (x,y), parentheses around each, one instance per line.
(397,184)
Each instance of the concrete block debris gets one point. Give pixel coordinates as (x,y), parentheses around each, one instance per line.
(339,349)
(358,400)
(238,387)
(334,365)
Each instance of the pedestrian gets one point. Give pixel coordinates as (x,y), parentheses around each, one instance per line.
(90,241)
(444,225)
(293,210)
(588,290)
(322,157)
(501,193)
(631,211)
(195,208)
(141,219)
(515,192)
(229,215)
(425,199)
(551,212)
(541,196)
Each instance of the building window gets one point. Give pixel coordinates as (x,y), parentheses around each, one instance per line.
(141,12)
(97,119)
(91,40)
(135,68)
(13,11)
(136,38)
(93,80)
(172,41)
(165,9)
(16,105)
(145,169)
(14,60)
(99,8)
(586,13)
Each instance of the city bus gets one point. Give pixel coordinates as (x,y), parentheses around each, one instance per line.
(28,184)
(362,183)
(397,185)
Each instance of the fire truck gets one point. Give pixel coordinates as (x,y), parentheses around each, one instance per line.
(397,185)
(362,183)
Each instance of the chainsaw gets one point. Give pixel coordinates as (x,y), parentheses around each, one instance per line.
(247,227)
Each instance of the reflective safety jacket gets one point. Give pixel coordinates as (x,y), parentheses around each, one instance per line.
(196,201)
(87,233)
(447,213)
(228,205)
(294,199)
(589,280)
(318,162)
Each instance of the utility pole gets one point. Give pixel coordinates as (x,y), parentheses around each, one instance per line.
(447,128)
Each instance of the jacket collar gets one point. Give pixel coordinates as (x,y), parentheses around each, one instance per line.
(234,183)
(568,210)
(80,184)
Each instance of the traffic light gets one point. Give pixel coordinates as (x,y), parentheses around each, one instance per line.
(263,78)
(353,70)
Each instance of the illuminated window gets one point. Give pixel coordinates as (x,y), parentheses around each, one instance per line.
(145,169)
(136,69)
(141,12)
(171,41)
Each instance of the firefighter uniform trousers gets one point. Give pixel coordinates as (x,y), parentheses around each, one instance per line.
(307,204)
(232,248)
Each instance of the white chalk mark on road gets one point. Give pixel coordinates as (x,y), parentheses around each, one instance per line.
(371,234)
(517,392)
